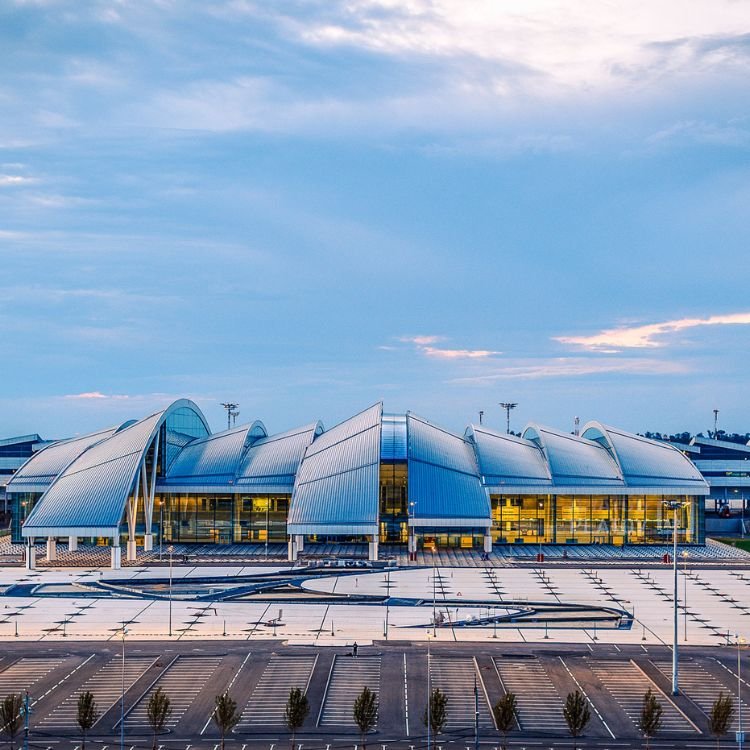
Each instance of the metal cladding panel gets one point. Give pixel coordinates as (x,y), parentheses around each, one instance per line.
(214,456)
(341,432)
(339,500)
(574,461)
(644,462)
(93,489)
(393,438)
(42,468)
(338,482)
(442,475)
(276,458)
(508,460)
(86,498)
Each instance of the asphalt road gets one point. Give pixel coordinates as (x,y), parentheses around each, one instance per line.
(613,679)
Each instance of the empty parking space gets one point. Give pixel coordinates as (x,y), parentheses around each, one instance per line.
(349,676)
(268,700)
(181,682)
(457,677)
(539,705)
(627,684)
(703,687)
(106,685)
(23,674)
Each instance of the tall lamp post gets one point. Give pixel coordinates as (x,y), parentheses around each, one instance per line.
(161,527)
(674,506)
(122,692)
(684,590)
(740,733)
(170,550)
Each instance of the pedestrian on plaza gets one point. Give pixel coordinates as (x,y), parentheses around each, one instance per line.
(355,648)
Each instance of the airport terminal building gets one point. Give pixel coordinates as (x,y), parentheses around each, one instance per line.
(376,478)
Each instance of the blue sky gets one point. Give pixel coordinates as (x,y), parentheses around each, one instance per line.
(306,207)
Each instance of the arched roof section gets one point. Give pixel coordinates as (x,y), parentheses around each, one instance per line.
(271,463)
(88,498)
(337,487)
(214,459)
(575,462)
(507,462)
(443,478)
(646,463)
(41,469)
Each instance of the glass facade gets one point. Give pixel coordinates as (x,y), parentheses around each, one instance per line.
(594,519)
(222,519)
(21,504)
(394,506)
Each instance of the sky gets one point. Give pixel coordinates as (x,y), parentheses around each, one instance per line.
(306,207)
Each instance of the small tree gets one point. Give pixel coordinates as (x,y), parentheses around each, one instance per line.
(296,711)
(225,715)
(87,714)
(577,715)
(505,715)
(650,720)
(159,709)
(437,716)
(721,716)
(10,715)
(365,713)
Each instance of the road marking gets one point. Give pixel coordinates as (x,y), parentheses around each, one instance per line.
(406,698)
(590,702)
(229,687)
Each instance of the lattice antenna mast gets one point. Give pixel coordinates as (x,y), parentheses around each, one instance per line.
(507,406)
(230,407)
(234,414)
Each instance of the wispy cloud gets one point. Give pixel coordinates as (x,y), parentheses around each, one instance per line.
(96,395)
(647,336)
(15,180)
(574,367)
(425,344)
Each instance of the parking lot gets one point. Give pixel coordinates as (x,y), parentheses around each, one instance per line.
(613,680)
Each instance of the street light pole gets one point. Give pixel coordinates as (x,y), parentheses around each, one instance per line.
(684,594)
(674,506)
(171,550)
(740,736)
(122,693)
(268,506)
(161,527)
(429,691)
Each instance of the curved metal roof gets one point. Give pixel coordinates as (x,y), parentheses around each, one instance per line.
(271,463)
(39,471)
(574,461)
(88,497)
(443,478)
(644,462)
(337,486)
(215,458)
(507,461)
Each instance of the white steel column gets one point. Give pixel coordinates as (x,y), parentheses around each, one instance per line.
(51,549)
(30,554)
(487,541)
(292,549)
(115,555)
(300,542)
(132,512)
(148,500)
(373,547)
(72,543)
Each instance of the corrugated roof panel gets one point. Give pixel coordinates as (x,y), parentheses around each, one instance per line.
(275,459)
(442,474)
(575,461)
(216,456)
(41,469)
(507,459)
(338,481)
(644,462)
(93,489)
(393,437)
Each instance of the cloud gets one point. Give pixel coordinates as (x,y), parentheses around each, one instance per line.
(14,180)
(574,367)
(425,344)
(646,336)
(95,395)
